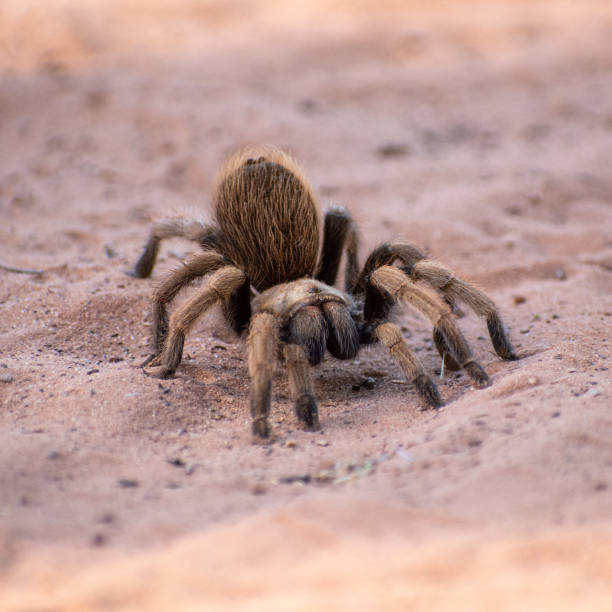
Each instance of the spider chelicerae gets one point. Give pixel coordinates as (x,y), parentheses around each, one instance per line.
(274,278)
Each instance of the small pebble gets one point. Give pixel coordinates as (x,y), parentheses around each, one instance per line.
(519,299)
(176,462)
(108,518)
(393,149)
(99,539)
(6,378)
(560,274)
(290,444)
(109,251)
(322,443)
(128,483)
(297,478)
(593,393)
(369,383)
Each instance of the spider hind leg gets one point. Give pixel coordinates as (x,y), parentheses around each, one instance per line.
(455,289)
(177,227)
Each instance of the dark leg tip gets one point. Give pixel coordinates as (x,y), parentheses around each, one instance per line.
(153,359)
(479,377)
(428,391)
(261,429)
(134,273)
(499,339)
(307,412)
(162,372)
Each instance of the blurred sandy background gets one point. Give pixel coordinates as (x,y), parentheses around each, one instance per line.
(481,131)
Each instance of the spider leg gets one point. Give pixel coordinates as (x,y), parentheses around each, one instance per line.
(457,289)
(390,335)
(385,255)
(177,227)
(194,266)
(220,286)
(339,233)
(301,386)
(417,267)
(308,328)
(343,335)
(395,283)
(263,349)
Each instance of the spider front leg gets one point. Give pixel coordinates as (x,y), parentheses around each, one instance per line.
(311,331)
(394,283)
(221,285)
(263,349)
(264,337)
(195,266)
(306,408)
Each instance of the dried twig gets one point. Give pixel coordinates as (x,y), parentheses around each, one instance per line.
(19,270)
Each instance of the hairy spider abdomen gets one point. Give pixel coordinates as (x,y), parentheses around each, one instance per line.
(268,217)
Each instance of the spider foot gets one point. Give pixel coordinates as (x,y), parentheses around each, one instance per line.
(500,341)
(261,429)
(159,372)
(307,412)
(479,377)
(152,360)
(428,390)
(134,273)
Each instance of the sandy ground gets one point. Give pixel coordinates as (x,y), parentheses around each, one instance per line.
(481,131)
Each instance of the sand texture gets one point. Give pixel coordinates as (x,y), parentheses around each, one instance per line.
(481,131)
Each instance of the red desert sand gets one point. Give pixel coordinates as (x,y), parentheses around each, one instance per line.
(481,131)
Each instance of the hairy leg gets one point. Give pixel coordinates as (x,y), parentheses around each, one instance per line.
(385,255)
(308,328)
(263,349)
(177,227)
(457,289)
(394,282)
(220,285)
(237,308)
(195,266)
(390,335)
(343,336)
(339,233)
(301,386)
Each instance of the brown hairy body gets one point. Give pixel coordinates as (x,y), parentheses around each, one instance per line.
(269,196)
(262,255)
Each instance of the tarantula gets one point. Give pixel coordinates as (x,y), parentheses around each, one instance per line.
(262,254)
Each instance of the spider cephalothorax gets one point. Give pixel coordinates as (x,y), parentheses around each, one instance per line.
(262,254)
